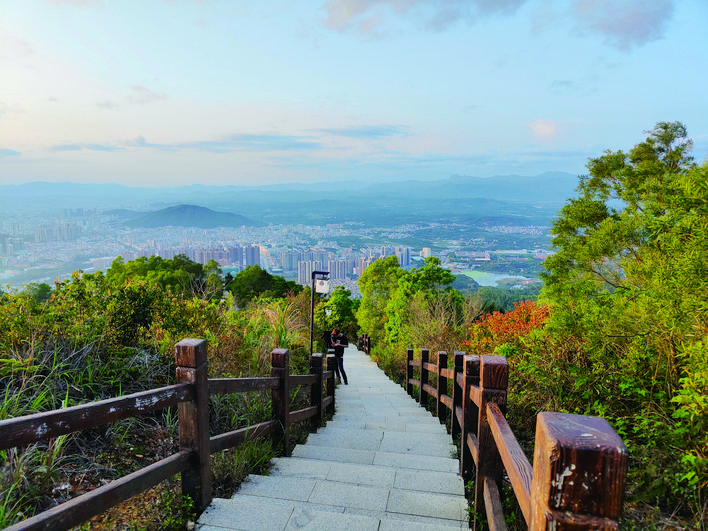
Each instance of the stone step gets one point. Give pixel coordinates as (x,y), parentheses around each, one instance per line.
(378,476)
(419,443)
(266,514)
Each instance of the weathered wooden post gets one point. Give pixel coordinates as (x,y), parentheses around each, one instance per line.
(493,385)
(579,473)
(280,397)
(330,381)
(366,343)
(457,391)
(470,377)
(316,388)
(409,372)
(191,362)
(422,394)
(441,410)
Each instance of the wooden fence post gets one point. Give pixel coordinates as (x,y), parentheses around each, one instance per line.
(409,372)
(579,473)
(280,397)
(367,344)
(442,388)
(316,388)
(191,362)
(330,381)
(457,394)
(470,376)
(422,395)
(493,385)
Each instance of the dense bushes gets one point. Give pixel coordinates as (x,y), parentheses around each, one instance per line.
(98,336)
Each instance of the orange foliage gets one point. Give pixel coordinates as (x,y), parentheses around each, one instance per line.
(497,328)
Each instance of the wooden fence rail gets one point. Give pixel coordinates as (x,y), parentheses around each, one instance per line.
(579,467)
(191,396)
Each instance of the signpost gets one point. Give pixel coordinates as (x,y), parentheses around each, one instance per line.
(322,287)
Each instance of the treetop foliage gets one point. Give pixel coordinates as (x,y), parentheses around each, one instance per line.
(621,203)
(178,275)
(255,282)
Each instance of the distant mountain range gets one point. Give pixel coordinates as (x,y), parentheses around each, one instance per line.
(502,199)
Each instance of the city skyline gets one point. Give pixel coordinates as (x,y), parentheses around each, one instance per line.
(164,93)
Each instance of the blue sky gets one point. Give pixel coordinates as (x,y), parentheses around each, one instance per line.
(157,92)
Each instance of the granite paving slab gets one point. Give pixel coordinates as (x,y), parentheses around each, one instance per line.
(383,463)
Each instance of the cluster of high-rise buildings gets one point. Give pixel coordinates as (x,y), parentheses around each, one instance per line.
(340,266)
(61,232)
(10,244)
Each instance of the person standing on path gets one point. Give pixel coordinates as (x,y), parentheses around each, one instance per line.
(339,343)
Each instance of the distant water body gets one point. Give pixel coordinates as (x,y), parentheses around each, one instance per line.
(484,278)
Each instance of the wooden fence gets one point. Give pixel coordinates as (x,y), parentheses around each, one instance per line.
(579,465)
(191,396)
(364,344)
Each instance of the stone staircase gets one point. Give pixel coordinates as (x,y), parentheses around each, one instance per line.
(382,463)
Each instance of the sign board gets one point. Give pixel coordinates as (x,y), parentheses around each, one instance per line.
(321,286)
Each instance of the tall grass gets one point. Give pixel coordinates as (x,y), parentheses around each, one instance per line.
(86,344)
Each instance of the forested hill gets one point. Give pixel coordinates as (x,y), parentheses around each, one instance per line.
(188,216)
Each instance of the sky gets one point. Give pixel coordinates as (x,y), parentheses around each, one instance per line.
(171,92)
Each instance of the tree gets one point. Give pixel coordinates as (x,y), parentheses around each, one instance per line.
(341,315)
(430,278)
(427,281)
(179,275)
(607,227)
(377,284)
(628,287)
(254,281)
(39,292)
(213,284)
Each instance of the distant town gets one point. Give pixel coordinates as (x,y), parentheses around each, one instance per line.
(44,248)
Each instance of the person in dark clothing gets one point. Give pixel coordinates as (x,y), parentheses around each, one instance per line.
(327,338)
(339,343)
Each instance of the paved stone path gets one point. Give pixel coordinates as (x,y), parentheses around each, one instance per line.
(383,463)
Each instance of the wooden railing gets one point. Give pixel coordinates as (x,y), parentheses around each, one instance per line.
(191,396)
(579,465)
(364,344)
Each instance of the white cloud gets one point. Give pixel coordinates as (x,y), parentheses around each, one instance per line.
(140,95)
(544,129)
(107,104)
(137,95)
(12,47)
(77,3)
(626,23)
(366,16)
(623,24)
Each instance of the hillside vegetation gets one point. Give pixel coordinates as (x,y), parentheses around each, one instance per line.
(99,336)
(620,329)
